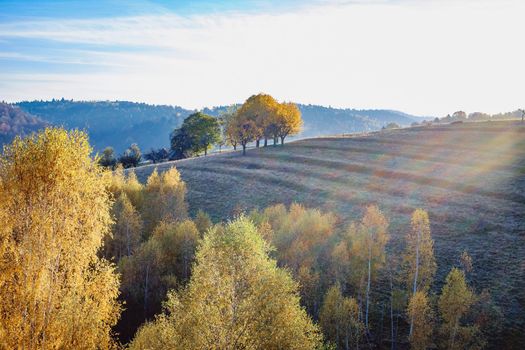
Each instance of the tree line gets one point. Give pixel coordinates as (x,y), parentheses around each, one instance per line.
(259,118)
(92,258)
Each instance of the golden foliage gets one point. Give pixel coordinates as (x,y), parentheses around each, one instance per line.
(164,199)
(54,290)
(454,303)
(237,298)
(419,260)
(420,312)
(339,319)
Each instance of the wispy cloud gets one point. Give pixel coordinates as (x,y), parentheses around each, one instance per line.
(425,57)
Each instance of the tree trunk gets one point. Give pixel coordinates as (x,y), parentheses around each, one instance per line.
(265,141)
(282,140)
(257,143)
(368,286)
(275,141)
(392,340)
(235,147)
(205,152)
(243,150)
(414,288)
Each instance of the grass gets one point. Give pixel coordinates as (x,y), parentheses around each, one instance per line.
(470,177)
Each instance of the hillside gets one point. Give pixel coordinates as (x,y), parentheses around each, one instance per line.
(14,121)
(120,123)
(470,177)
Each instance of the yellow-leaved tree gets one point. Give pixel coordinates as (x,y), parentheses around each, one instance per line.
(339,318)
(288,120)
(55,292)
(237,298)
(368,240)
(454,303)
(420,264)
(420,312)
(164,199)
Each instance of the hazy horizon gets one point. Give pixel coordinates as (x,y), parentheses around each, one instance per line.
(425,58)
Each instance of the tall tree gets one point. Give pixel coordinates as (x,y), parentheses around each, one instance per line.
(420,313)
(368,246)
(420,264)
(237,298)
(55,292)
(244,131)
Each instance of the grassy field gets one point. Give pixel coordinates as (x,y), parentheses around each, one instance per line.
(470,178)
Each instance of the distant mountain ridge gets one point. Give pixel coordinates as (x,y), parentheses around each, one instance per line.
(14,122)
(120,123)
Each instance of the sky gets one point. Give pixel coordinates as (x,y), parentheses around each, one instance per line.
(423,57)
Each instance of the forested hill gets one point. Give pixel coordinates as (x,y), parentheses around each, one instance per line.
(120,123)
(14,121)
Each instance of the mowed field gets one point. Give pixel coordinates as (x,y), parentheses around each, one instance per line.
(470,178)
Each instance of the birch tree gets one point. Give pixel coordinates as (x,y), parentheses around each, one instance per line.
(368,246)
(420,264)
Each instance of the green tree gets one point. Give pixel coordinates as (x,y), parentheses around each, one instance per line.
(107,159)
(55,292)
(131,156)
(203,131)
(237,298)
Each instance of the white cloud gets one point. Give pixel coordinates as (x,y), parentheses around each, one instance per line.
(427,57)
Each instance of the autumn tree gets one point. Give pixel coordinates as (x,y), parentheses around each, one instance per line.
(126,232)
(368,239)
(164,197)
(244,131)
(236,298)
(288,120)
(339,319)
(55,292)
(420,313)
(302,238)
(202,222)
(454,303)
(420,264)
(159,264)
(261,109)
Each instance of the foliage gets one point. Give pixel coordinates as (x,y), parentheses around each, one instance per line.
(197,134)
(55,291)
(131,157)
(454,303)
(339,319)
(288,120)
(236,298)
(157,155)
(108,159)
(126,232)
(302,238)
(161,263)
(164,199)
(420,312)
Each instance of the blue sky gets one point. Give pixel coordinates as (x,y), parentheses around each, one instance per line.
(425,57)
